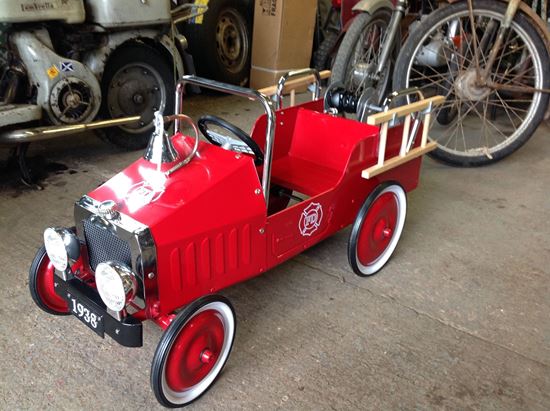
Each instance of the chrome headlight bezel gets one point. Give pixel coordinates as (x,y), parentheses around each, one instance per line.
(62,246)
(116,283)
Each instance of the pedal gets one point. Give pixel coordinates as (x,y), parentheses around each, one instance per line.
(19,113)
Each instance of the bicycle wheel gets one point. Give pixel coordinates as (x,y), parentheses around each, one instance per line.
(357,57)
(479,123)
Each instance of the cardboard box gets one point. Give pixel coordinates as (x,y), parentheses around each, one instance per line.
(282,39)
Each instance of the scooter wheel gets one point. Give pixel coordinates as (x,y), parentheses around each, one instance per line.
(193,351)
(377,229)
(138,80)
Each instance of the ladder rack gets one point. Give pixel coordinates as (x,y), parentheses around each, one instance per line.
(424,108)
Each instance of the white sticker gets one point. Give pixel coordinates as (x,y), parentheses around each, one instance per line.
(66,66)
(310,219)
(140,195)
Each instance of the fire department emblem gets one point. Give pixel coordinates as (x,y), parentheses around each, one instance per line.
(310,220)
(141,194)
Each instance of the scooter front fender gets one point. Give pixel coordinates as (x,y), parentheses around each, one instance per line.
(370,6)
(97,59)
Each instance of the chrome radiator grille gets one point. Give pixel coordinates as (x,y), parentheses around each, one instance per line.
(103,245)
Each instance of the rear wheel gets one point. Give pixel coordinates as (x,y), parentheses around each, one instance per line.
(193,351)
(358,55)
(324,55)
(138,80)
(377,229)
(41,285)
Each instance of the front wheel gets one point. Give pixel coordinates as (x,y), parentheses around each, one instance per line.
(377,229)
(41,285)
(138,80)
(483,121)
(358,55)
(193,351)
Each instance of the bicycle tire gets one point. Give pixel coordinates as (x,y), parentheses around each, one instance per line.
(526,32)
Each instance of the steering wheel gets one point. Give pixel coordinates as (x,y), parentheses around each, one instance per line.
(244,144)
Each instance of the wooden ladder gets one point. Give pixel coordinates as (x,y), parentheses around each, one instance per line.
(424,108)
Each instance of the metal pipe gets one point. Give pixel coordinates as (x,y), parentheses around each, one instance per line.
(278,97)
(511,10)
(190,156)
(389,38)
(30,135)
(242,92)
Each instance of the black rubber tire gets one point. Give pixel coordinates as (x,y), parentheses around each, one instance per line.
(401,80)
(33,283)
(358,226)
(167,339)
(154,60)
(349,42)
(324,55)
(204,48)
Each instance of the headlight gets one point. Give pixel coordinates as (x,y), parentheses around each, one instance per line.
(61,244)
(116,283)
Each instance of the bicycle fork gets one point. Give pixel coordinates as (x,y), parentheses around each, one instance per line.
(389,37)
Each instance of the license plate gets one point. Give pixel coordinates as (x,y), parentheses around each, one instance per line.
(85,314)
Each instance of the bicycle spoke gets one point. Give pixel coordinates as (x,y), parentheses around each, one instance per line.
(491,124)
(507,108)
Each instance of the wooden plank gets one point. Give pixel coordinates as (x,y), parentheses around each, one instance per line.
(384,116)
(397,160)
(382,143)
(425,129)
(293,84)
(405,137)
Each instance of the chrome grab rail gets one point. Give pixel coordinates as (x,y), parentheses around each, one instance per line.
(242,92)
(278,97)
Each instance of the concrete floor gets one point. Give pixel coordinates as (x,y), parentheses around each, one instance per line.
(458,319)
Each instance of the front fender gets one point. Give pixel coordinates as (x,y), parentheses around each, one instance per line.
(370,6)
(97,59)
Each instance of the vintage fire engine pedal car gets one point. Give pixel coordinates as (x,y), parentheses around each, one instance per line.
(159,239)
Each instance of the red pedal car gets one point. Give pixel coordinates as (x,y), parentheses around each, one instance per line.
(159,239)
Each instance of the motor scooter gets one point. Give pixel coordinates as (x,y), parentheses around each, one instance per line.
(70,66)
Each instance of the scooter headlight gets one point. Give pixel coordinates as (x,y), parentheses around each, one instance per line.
(61,245)
(116,283)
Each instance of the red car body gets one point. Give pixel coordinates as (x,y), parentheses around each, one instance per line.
(172,234)
(210,222)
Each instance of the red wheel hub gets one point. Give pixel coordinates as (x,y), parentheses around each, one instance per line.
(45,287)
(377,229)
(195,351)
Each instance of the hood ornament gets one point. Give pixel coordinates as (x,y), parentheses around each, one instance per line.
(160,149)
